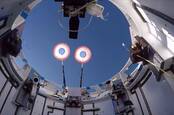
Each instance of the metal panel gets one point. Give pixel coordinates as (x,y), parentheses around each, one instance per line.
(38,106)
(136,104)
(142,102)
(88,106)
(59,105)
(58,112)
(2,80)
(73,111)
(106,107)
(22,111)
(159,96)
(4,94)
(9,107)
(162,6)
(46,109)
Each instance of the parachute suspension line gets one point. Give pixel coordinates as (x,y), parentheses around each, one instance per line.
(81,76)
(105,16)
(63,75)
(89,23)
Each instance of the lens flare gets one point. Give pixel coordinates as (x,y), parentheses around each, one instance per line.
(61,51)
(83,54)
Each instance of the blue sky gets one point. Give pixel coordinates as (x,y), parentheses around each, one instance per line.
(42,32)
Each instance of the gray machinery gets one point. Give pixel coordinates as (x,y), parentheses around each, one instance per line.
(147,90)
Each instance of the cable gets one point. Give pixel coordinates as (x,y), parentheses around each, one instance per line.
(148,61)
(153,64)
(84,6)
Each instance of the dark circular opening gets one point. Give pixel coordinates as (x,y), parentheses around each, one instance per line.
(36,80)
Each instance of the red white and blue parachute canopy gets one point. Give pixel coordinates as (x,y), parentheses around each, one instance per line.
(83,54)
(61,51)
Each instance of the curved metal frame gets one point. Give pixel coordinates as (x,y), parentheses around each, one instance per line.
(133,15)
